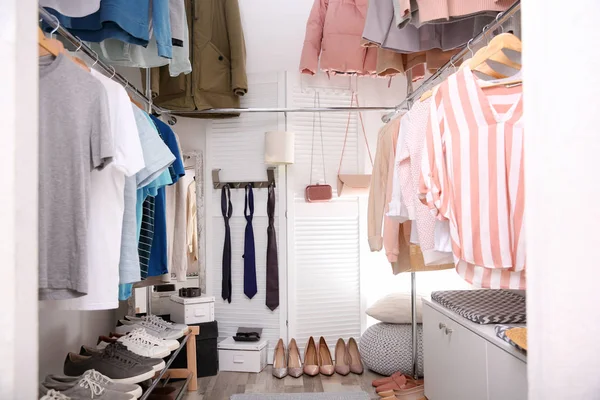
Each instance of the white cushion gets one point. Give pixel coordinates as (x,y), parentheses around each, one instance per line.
(395,308)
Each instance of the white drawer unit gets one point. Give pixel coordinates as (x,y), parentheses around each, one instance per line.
(192,310)
(466,361)
(242,356)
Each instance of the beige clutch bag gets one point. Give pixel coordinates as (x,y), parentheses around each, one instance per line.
(353,185)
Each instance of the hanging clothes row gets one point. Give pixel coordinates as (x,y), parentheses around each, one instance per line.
(389,37)
(452,168)
(106,158)
(195,49)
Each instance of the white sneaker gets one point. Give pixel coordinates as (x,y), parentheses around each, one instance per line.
(156,319)
(149,336)
(153,328)
(141,346)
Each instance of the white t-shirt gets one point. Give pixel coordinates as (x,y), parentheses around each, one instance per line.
(72,8)
(107,203)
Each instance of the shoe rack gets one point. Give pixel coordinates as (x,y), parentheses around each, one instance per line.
(190,374)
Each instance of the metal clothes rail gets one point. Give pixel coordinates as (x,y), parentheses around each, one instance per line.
(431,81)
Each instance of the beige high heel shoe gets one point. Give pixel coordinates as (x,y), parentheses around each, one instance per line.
(294,362)
(280,369)
(342,358)
(325,361)
(311,358)
(356,365)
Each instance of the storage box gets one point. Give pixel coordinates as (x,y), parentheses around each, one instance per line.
(161,302)
(192,310)
(242,356)
(207,355)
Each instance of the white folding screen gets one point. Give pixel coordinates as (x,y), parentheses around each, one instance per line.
(323,245)
(236,146)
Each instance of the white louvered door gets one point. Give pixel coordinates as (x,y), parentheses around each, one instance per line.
(323,245)
(236,146)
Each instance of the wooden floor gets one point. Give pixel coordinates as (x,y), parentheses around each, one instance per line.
(222,386)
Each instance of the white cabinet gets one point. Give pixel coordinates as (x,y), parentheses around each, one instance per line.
(466,361)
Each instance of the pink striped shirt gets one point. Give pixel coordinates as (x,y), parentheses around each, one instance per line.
(472,175)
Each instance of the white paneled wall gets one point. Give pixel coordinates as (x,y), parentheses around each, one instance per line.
(236,147)
(324,244)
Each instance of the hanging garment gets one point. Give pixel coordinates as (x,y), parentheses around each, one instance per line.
(157,158)
(395,237)
(218,57)
(146,235)
(127,21)
(72,8)
(116,52)
(249,256)
(332,40)
(107,204)
(192,233)
(155,174)
(432,11)
(406,174)
(178,221)
(380,28)
(477,182)
(272,260)
(158,264)
(178,22)
(407,11)
(378,190)
(68,152)
(227,211)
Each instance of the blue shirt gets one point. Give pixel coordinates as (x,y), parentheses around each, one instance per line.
(125,20)
(158,255)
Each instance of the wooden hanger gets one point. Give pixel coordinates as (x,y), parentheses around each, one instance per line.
(54,47)
(48,46)
(492,52)
(514,80)
(137,103)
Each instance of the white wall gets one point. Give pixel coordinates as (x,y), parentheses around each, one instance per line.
(561,172)
(64,331)
(274,33)
(18,200)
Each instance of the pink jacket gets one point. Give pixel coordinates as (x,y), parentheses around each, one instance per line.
(333,32)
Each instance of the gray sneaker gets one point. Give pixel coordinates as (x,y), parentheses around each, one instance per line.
(83,389)
(104,381)
(155,363)
(109,363)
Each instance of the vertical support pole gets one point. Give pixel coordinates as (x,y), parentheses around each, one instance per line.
(413,275)
(413,309)
(149,110)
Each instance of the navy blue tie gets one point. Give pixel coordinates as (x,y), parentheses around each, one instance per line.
(250,287)
(227,210)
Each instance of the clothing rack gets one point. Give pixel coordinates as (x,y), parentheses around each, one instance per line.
(406,103)
(431,81)
(109,70)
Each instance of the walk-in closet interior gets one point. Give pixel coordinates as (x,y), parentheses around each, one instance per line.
(299,200)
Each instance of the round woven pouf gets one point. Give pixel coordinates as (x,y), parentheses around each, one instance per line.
(387,348)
